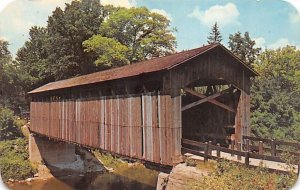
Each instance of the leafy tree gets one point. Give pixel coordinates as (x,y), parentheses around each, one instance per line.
(11,94)
(55,52)
(109,52)
(243,47)
(146,34)
(215,35)
(32,59)
(275,100)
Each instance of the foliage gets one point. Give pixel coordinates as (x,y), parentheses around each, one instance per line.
(14,162)
(108,160)
(243,47)
(190,162)
(215,35)
(55,52)
(85,37)
(8,130)
(229,175)
(110,52)
(146,34)
(10,87)
(275,102)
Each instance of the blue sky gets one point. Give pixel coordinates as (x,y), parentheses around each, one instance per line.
(272,23)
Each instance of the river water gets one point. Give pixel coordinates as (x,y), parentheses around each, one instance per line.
(125,178)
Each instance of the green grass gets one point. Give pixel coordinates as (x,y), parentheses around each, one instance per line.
(231,176)
(108,160)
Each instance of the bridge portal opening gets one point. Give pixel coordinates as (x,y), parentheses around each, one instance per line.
(209,110)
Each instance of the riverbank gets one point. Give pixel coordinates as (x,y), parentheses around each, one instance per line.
(195,174)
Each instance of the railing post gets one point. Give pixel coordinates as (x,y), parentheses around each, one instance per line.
(232,146)
(273,148)
(238,145)
(209,148)
(247,158)
(247,145)
(260,148)
(218,151)
(206,152)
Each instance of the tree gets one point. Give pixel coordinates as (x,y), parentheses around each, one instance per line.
(243,47)
(11,92)
(146,34)
(215,35)
(55,52)
(275,102)
(109,52)
(33,59)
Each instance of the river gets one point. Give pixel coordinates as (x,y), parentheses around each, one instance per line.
(124,178)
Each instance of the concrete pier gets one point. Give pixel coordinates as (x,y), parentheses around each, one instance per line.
(51,152)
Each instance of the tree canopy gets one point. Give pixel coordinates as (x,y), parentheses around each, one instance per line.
(243,47)
(275,103)
(215,35)
(85,37)
(55,52)
(144,33)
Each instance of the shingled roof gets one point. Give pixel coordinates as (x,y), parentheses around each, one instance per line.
(148,66)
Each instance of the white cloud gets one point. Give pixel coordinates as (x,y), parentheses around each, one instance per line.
(121,3)
(282,42)
(259,42)
(20,15)
(162,12)
(3,3)
(224,15)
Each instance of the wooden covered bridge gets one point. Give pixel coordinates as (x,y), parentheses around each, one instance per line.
(143,110)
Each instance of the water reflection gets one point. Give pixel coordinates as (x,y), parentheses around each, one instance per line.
(136,177)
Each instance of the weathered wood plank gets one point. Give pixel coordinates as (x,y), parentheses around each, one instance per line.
(213,101)
(204,100)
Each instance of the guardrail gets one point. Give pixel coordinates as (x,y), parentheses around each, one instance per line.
(238,149)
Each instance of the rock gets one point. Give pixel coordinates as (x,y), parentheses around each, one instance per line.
(162,181)
(11,180)
(28,179)
(181,176)
(36,175)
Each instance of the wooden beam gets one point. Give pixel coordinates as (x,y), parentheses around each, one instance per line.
(204,100)
(190,91)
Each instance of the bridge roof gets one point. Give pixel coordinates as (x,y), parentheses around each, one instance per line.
(149,66)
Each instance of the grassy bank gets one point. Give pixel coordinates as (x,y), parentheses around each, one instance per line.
(14,163)
(231,176)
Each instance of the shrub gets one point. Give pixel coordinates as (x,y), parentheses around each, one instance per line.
(229,175)
(14,162)
(16,168)
(8,130)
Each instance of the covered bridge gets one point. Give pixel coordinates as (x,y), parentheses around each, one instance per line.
(143,110)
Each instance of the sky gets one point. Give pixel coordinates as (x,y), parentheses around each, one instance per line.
(271,23)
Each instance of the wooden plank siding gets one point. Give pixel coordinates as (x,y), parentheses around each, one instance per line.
(134,126)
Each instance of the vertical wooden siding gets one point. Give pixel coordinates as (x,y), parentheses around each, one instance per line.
(137,126)
(242,118)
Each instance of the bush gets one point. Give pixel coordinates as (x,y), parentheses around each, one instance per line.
(229,175)
(16,168)
(8,130)
(14,162)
